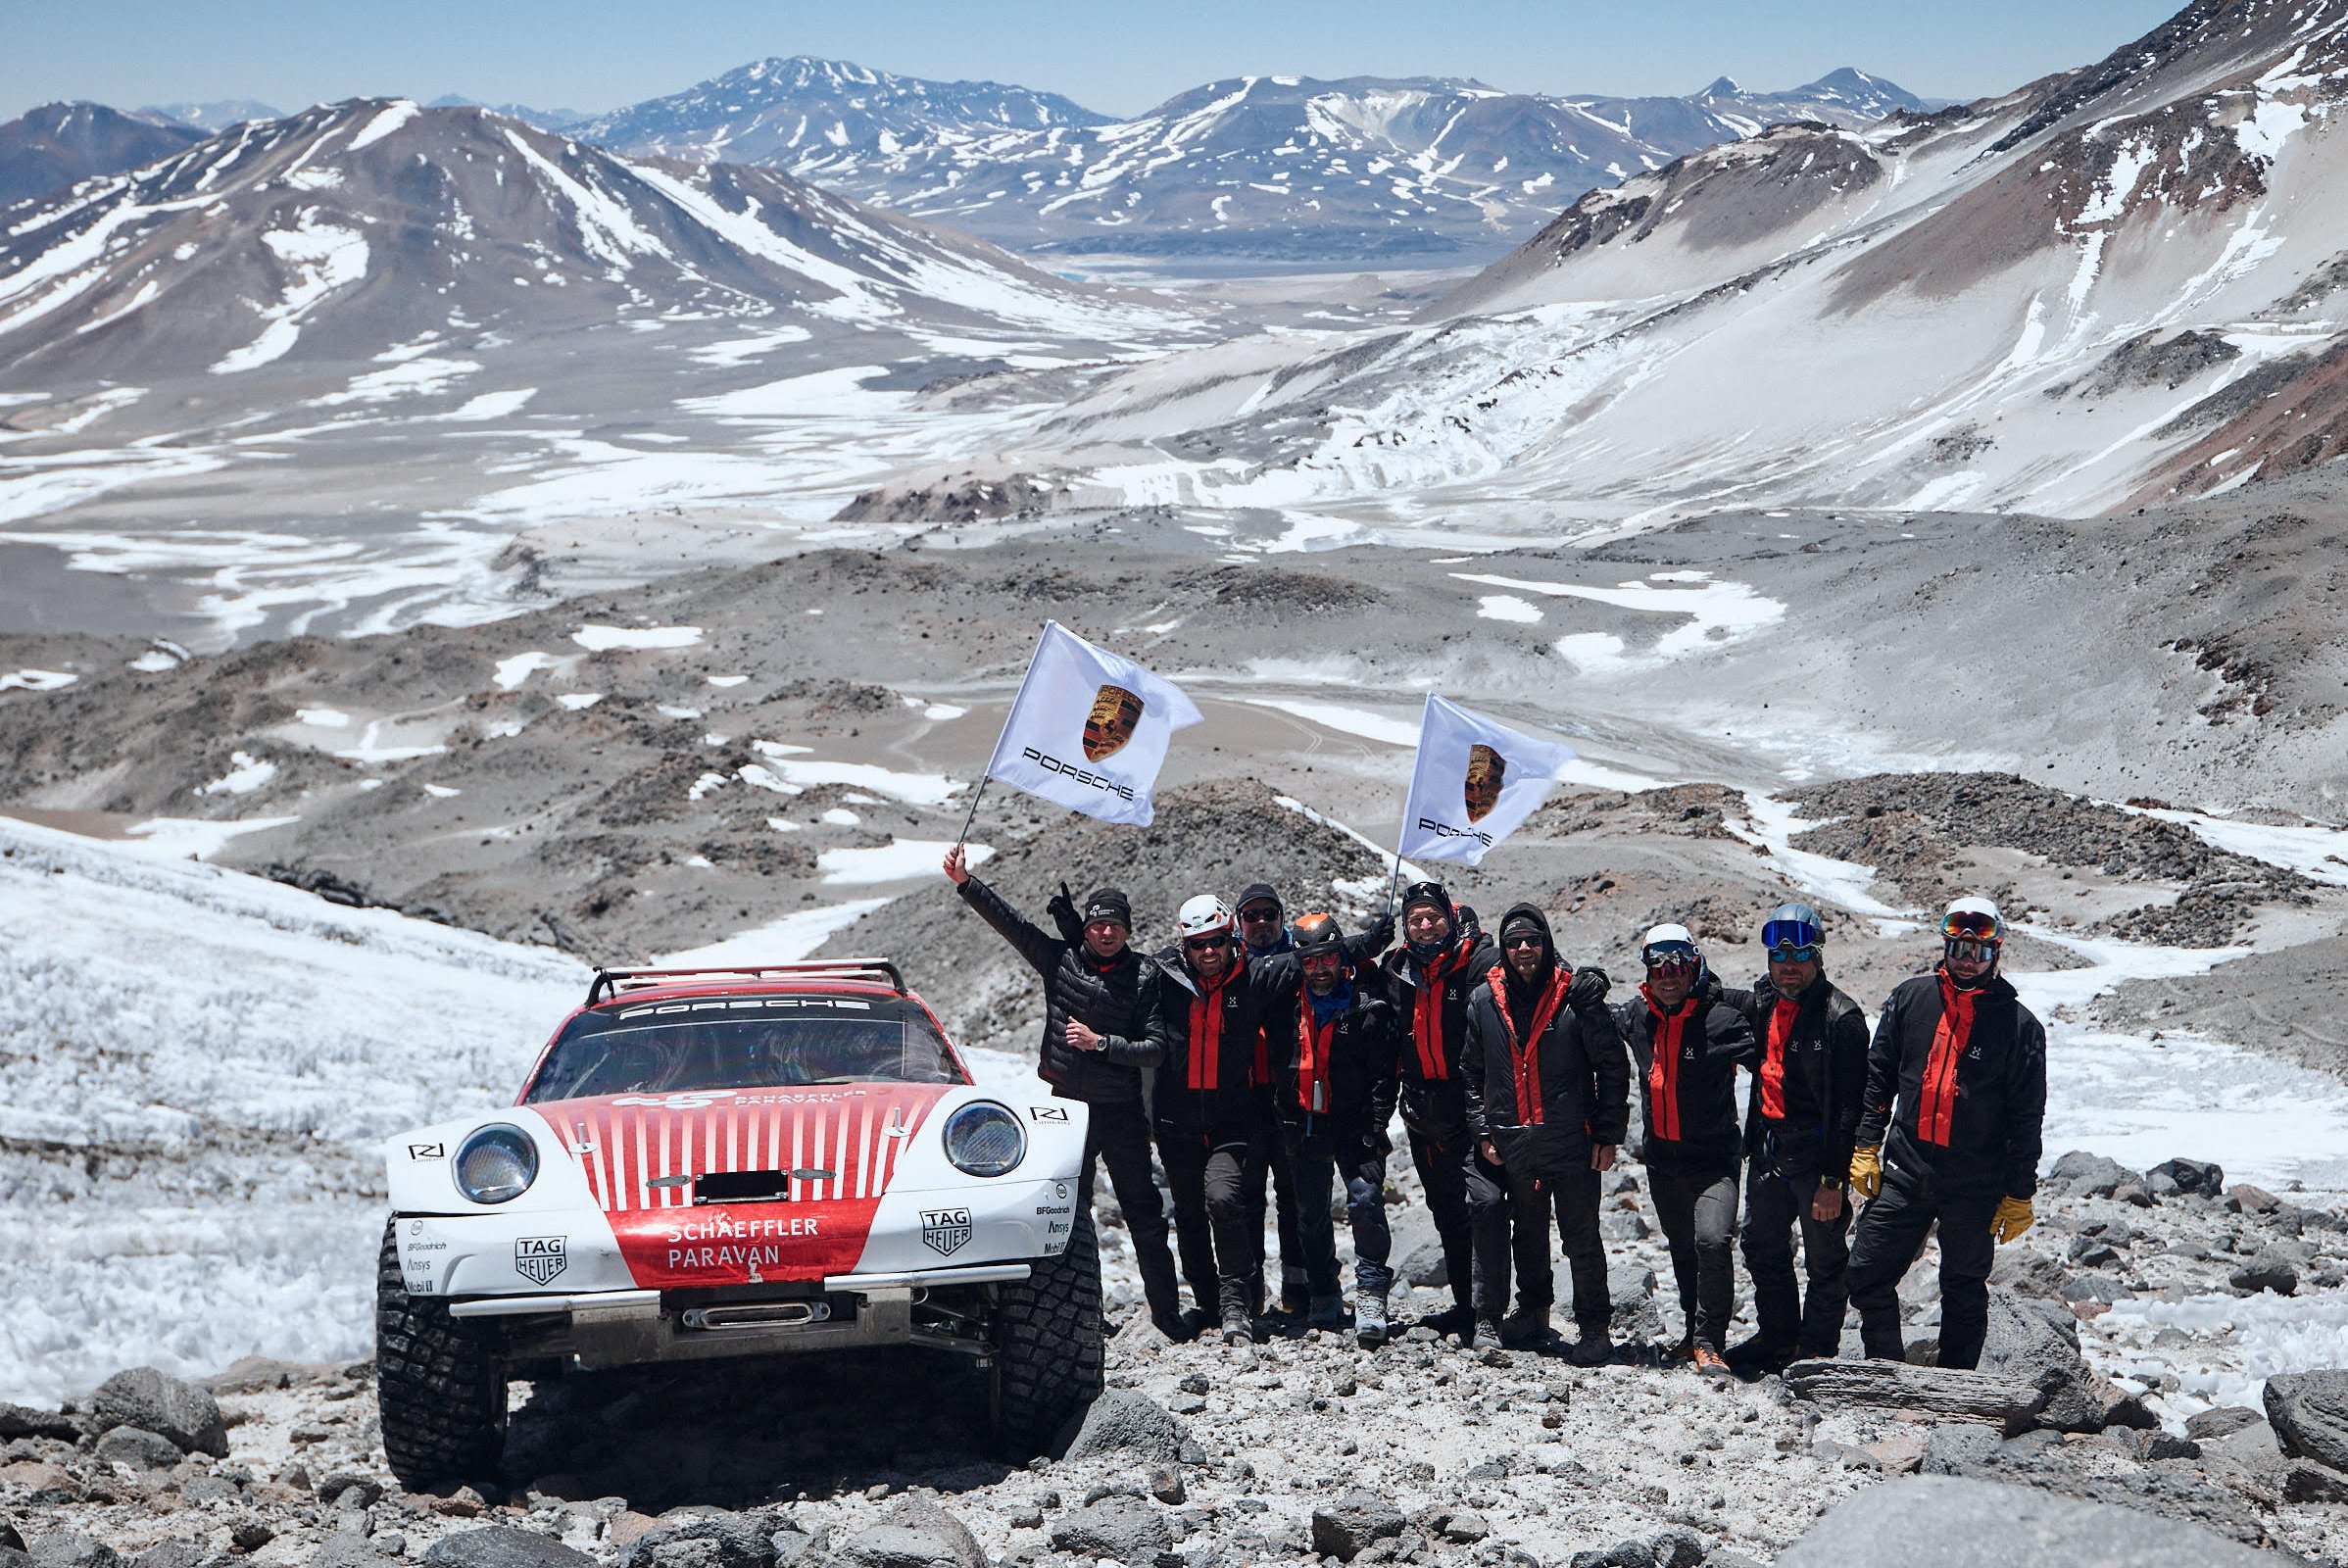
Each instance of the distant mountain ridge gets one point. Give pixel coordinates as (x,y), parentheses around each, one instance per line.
(1360,169)
(50,147)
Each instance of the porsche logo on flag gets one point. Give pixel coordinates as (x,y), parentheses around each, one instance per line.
(1486,772)
(1115,711)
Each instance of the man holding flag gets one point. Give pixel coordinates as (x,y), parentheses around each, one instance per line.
(1088,731)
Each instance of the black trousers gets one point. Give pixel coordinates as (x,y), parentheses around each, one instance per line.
(1510,1215)
(1322,1153)
(1891,1233)
(1283,1184)
(1775,1205)
(1443,1175)
(1698,1211)
(1119,1133)
(1214,1173)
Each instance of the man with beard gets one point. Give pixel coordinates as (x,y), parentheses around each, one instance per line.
(1433,974)
(1265,932)
(1212,1004)
(1688,1041)
(1334,1063)
(1949,1131)
(1098,1007)
(1801,1112)
(1548,1088)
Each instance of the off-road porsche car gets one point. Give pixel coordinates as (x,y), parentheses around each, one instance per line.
(734,1162)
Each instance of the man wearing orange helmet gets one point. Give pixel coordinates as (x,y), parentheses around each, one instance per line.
(1949,1131)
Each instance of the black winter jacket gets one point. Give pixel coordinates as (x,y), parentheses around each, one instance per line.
(1433,1003)
(1574,1075)
(1689,1095)
(1219,1090)
(1970,1106)
(1352,1084)
(1822,1081)
(1114,1000)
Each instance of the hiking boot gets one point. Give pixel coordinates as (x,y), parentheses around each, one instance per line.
(1594,1348)
(1753,1355)
(1710,1366)
(1683,1351)
(1369,1320)
(1237,1330)
(1459,1320)
(1326,1312)
(1487,1336)
(1528,1324)
(1295,1299)
(1179,1327)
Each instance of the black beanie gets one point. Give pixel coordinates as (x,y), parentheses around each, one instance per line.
(1108,904)
(1255,892)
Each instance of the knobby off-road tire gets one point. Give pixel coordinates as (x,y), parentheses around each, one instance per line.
(439,1386)
(1047,1345)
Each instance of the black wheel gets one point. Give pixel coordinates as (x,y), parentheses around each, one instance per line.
(439,1385)
(1047,1345)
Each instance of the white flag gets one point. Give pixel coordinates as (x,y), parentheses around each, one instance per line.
(1476,782)
(1089,729)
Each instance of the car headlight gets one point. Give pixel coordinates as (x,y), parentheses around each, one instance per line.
(496,1165)
(982,1139)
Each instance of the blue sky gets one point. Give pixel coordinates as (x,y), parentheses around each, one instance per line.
(1116,57)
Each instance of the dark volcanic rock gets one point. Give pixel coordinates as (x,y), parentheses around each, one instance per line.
(1346,1528)
(739,1542)
(2272,1270)
(141,1450)
(2222,1421)
(1123,1527)
(24,1421)
(502,1546)
(1124,1421)
(914,1534)
(1946,1522)
(181,1412)
(2310,1413)
(2093,1175)
(2035,1343)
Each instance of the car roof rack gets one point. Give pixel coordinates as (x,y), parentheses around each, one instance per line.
(610,983)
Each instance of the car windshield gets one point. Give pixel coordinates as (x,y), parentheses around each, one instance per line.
(745,1043)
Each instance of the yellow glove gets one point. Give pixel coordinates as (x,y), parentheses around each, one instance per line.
(1867,1170)
(2011,1218)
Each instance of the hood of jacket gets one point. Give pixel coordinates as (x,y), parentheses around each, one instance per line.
(1548,946)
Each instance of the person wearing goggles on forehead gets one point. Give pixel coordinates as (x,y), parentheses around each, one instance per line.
(1434,971)
(1687,1043)
(1098,1035)
(1948,1131)
(1547,1090)
(1213,1005)
(1332,1064)
(1265,932)
(1800,1113)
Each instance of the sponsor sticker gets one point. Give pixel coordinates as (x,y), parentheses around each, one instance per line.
(427,1150)
(539,1258)
(943,1231)
(1049,1112)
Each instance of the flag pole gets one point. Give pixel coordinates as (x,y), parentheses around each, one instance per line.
(1396,885)
(971,816)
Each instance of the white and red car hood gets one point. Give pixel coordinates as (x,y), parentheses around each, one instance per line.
(613,1208)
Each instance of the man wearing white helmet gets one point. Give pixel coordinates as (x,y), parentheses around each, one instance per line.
(1213,1003)
(1687,1043)
(1949,1131)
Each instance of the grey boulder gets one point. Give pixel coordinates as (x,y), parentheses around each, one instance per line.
(2273,1269)
(1121,1528)
(502,1546)
(139,1450)
(2309,1411)
(915,1535)
(2091,1175)
(1946,1522)
(2035,1343)
(1351,1525)
(2198,1178)
(1125,1421)
(146,1399)
(66,1549)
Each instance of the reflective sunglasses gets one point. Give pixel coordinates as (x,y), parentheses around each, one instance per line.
(1671,962)
(1789,952)
(1968,950)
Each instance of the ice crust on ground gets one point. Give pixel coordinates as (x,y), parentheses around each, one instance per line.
(232,1048)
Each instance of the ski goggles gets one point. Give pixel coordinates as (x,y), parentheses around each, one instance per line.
(1671,956)
(1970,949)
(1971,925)
(1791,941)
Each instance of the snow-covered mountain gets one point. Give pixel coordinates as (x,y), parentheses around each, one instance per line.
(1286,167)
(220,114)
(2119,283)
(543,119)
(341,233)
(784,112)
(48,148)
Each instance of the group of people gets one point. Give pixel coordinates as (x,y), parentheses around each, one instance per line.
(1264,1061)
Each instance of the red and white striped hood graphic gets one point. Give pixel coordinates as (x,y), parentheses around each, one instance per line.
(855,1133)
